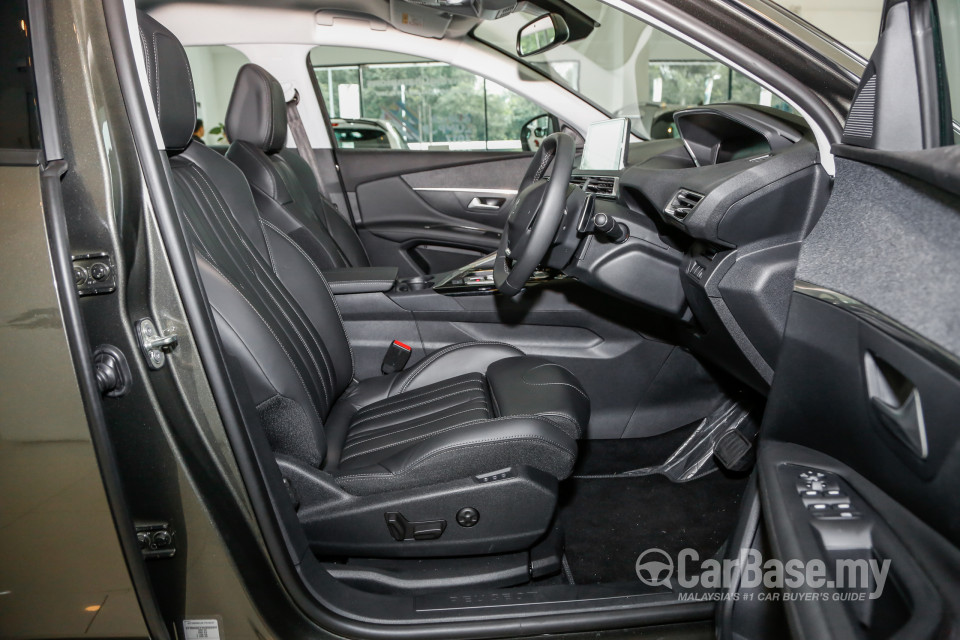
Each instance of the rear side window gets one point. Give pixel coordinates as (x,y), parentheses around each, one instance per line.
(19,124)
(949,28)
(214,71)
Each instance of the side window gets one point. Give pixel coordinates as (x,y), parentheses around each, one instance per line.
(379,100)
(949,31)
(214,70)
(19,127)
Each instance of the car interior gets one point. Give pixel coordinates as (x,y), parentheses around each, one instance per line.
(481,429)
(470,387)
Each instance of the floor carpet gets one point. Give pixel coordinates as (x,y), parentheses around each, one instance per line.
(608,523)
(597,457)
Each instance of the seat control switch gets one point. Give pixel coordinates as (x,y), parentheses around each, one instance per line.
(402,529)
(467,517)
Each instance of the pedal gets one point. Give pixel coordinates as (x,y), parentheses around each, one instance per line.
(734,451)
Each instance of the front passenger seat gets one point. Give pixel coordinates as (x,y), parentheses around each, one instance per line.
(284,187)
(383,466)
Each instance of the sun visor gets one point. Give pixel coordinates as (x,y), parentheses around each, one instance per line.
(418,20)
(483,9)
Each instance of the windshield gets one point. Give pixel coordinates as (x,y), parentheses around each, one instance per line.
(854,23)
(627,68)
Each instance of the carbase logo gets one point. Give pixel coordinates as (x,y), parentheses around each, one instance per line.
(655,567)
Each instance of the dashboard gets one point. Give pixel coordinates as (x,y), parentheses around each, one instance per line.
(712,223)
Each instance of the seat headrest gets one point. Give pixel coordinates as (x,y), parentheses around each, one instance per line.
(257,112)
(171,84)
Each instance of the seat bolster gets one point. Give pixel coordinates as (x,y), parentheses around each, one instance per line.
(477,448)
(531,385)
(450,362)
(260,172)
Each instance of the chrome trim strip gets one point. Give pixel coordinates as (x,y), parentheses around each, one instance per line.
(939,356)
(497,192)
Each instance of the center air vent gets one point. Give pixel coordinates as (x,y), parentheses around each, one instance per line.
(603,186)
(683,204)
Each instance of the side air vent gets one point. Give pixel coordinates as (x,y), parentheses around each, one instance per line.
(603,186)
(683,204)
(860,120)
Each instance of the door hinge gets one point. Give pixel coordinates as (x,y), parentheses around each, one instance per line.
(155,344)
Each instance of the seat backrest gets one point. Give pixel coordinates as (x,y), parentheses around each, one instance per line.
(272,307)
(284,187)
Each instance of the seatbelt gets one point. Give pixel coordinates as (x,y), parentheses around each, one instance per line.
(302,141)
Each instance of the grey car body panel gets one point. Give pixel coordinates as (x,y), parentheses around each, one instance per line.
(63,572)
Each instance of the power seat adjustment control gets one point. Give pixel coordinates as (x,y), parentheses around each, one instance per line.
(402,529)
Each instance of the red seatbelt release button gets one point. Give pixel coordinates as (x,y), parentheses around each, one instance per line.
(397,356)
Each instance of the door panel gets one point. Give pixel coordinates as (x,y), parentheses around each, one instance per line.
(430,211)
(860,452)
(866,392)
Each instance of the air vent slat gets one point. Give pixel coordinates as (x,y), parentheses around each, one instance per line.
(602,186)
(683,203)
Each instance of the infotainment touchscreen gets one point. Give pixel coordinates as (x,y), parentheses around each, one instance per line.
(606,145)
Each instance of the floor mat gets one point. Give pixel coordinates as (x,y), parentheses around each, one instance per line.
(609,522)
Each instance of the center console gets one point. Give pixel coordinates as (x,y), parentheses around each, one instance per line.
(475,278)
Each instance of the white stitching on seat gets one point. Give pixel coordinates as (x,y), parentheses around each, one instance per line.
(494,420)
(411,395)
(242,237)
(433,357)
(576,425)
(389,430)
(545,384)
(414,406)
(414,438)
(461,445)
(282,348)
(322,279)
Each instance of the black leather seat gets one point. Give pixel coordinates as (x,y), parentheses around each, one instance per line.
(284,187)
(466,410)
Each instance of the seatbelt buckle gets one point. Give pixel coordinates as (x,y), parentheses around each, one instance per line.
(396,359)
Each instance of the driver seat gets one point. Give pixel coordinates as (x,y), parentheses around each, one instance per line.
(284,187)
(414,444)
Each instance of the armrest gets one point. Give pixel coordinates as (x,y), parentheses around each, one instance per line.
(361,279)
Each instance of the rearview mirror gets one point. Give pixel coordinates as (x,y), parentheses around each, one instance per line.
(542,34)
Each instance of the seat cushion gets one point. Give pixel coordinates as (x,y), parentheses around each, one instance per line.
(397,422)
(521,410)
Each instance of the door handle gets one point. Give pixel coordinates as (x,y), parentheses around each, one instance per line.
(486,204)
(896,402)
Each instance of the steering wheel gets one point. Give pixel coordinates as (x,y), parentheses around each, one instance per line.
(536,214)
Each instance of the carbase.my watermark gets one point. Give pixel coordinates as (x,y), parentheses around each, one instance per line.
(862,578)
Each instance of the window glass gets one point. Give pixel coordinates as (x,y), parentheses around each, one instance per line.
(19,125)
(214,71)
(854,23)
(393,101)
(627,68)
(949,31)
